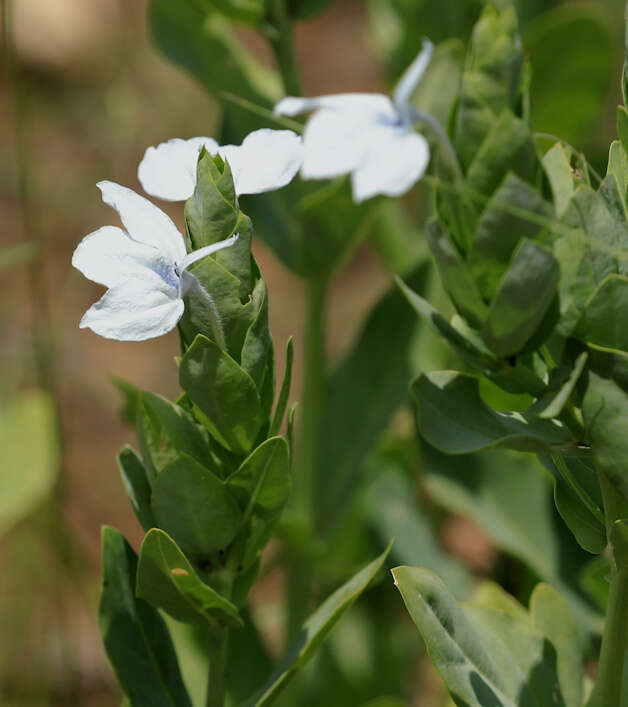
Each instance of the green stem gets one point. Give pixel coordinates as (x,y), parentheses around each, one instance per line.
(306,468)
(216,686)
(280,38)
(607,691)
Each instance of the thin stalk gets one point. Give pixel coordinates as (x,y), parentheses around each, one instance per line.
(216,687)
(280,39)
(299,587)
(607,691)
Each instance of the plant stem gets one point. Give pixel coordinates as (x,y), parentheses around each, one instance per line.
(607,691)
(280,38)
(308,447)
(217,667)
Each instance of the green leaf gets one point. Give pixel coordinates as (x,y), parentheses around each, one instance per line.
(499,232)
(485,657)
(211,213)
(593,246)
(488,488)
(195,508)
(456,276)
(247,11)
(490,82)
(29,455)
(135,636)
(165,430)
(622,126)
(16,254)
(316,629)
(605,410)
(453,418)
(203,43)
(262,484)
(303,9)
(168,581)
(619,542)
(580,80)
(557,166)
(508,147)
(618,166)
(524,296)
(602,320)
(257,350)
(475,355)
(224,392)
(362,392)
(551,615)
(553,405)
(282,400)
(137,486)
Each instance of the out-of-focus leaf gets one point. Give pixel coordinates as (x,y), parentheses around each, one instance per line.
(453,418)
(17,254)
(580,80)
(202,43)
(135,636)
(510,497)
(168,581)
(394,511)
(28,455)
(362,393)
(316,629)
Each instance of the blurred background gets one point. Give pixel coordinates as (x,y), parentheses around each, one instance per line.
(83,92)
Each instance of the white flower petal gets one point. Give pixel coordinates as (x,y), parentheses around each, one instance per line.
(266,160)
(144,221)
(333,142)
(206,250)
(375,103)
(412,75)
(168,171)
(393,162)
(133,311)
(108,256)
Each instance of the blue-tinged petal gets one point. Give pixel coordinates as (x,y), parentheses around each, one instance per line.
(108,256)
(266,160)
(412,75)
(168,171)
(392,163)
(144,222)
(134,311)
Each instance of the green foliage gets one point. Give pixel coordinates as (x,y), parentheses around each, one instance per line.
(316,629)
(489,656)
(168,581)
(135,636)
(453,418)
(580,79)
(361,394)
(28,455)
(137,486)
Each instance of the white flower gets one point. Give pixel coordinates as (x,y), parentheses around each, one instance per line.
(365,134)
(266,160)
(144,268)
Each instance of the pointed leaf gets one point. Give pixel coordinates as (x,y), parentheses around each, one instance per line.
(135,636)
(167,580)
(282,400)
(316,629)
